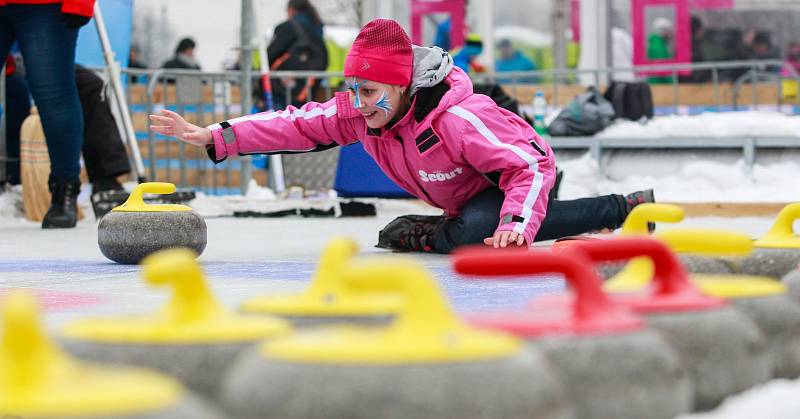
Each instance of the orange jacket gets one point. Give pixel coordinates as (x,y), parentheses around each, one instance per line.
(75,7)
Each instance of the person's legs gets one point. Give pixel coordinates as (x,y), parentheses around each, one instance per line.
(103,152)
(478,220)
(12,141)
(48,50)
(578,216)
(18,104)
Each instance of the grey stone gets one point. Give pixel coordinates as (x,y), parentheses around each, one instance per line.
(792,282)
(691,263)
(199,367)
(127,237)
(722,350)
(523,386)
(621,376)
(699,264)
(773,263)
(778,318)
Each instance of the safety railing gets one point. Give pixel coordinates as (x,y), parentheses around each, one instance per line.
(208,97)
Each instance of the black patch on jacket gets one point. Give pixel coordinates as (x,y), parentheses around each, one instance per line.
(537,147)
(427,99)
(493,177)
(375,132)
(426,140)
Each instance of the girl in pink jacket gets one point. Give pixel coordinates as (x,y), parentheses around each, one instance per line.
(417,116)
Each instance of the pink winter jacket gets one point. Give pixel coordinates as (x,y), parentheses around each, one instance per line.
(443,153)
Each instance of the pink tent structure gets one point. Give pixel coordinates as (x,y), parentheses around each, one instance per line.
(456,10)
(679,12)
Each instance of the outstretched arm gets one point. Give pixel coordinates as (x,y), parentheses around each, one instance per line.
(172,124)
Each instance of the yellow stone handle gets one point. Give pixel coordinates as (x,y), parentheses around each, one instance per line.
(707,242)
(337,254)
(781,234)
(636,223)
(191,299)
(135,201)
(424,312)
(27,356)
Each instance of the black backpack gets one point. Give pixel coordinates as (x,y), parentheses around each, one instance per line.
(631,100)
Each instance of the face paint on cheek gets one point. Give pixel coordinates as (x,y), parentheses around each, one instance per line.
(355,85)
(384,104)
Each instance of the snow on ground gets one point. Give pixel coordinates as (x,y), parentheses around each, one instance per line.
(708,125)
(691,181)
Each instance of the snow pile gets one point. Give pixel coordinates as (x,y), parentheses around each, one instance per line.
(696,181)
(710,125)
(776,399)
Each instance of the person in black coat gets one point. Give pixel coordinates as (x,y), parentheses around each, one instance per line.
(184,56)
(297,44)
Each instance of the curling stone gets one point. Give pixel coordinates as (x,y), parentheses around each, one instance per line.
(134,229)
(328,299)
(425,364)
(192,338)
(636,224)
(38,380)
(612,366)
(764,300)
(792,282)
(778,252)
(721,348)
(699,251)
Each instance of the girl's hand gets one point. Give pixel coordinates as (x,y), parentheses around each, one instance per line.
(502,239)
(171,124)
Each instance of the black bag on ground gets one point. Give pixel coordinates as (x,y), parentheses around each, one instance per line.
(631,100)
(587,114)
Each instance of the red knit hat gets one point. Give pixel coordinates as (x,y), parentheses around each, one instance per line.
(382,53)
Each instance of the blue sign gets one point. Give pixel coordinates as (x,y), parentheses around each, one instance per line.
(118,17)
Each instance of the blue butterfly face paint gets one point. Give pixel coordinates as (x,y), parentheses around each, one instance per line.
(384,104)
(354,86)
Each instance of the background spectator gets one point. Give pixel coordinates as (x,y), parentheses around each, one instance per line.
(512,59)
(297,45)
(792,58)
(184,56)
(659,45)
(466,57)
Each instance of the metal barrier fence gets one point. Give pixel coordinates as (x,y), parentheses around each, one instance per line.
(208,97)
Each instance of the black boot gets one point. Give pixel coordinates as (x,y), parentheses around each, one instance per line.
(410,233)
(630,201)
(63,212)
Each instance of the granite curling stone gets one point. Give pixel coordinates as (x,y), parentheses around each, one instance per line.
(193,337)
(764,300)
(778,252)
(637,224)
(39,381)
(792,282)
(133,230)
(425,364)
(329,299)
(723,351)
(612,366)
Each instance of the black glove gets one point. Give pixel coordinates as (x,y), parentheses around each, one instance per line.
(74,21)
